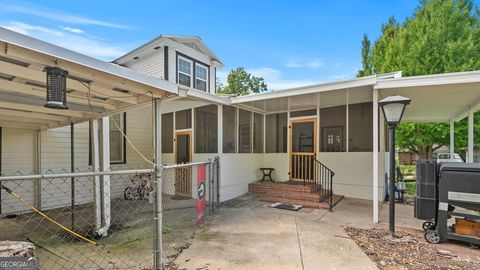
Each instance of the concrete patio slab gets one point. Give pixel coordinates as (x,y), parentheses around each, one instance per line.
(247,234)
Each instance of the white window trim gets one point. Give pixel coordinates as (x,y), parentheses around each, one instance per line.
(180,72)
(197,78)
(122,141)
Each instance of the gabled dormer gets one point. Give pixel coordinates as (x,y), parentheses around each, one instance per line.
(184,60)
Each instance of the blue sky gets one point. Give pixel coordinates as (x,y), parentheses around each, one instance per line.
(289,43)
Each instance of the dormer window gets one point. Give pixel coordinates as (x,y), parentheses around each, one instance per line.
(201,72)
(184,71)
(192,73)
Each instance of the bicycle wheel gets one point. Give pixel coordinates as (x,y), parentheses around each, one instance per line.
(128,193)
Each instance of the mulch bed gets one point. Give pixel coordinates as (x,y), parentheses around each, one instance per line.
(409,250)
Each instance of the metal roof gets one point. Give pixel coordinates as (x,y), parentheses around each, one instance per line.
(95,87)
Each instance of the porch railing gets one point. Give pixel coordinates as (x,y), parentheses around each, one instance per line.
(321,182)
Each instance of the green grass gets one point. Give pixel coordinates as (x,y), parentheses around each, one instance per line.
(166,230)
(410,188)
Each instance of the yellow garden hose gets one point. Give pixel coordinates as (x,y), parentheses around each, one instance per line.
(45,216)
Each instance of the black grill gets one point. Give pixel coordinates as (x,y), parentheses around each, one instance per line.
(425,199)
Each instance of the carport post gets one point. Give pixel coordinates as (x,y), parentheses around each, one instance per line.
(104,167)
(38,169)
(452,138)
(470,135)
(157,183)
(375,156)
(96,178)
(72,179)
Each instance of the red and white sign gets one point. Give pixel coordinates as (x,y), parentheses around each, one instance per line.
(201,202)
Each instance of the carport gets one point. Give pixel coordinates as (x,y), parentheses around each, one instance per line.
(95,90)
(445,98)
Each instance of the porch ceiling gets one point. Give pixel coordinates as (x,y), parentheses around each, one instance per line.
(436,98)
(95,88)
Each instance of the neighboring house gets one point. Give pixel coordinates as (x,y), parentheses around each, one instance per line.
(337,123)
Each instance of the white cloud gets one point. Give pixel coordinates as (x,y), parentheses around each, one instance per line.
(72,30)
(312,64)
(70,40)
(57,15)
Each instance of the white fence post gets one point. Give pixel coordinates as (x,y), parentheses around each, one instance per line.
(157,141)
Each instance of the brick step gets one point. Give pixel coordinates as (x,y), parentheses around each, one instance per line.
(278,186)
(293,195)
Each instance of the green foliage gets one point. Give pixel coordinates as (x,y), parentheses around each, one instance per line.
(441,36)
(422,138)
(411,188)
(367,68)
(166,230)
(240,83)
(408,169)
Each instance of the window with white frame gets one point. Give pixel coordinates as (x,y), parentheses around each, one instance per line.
(184,71)
(117,141)
(201,75)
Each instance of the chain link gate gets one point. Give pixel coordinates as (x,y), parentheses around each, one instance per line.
(92,228)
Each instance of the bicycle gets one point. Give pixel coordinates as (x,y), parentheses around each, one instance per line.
(140,188)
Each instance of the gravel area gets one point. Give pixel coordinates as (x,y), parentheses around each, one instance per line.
(409,250)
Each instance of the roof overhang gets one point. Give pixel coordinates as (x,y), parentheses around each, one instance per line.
(435,98)
(164,40)
(95,88)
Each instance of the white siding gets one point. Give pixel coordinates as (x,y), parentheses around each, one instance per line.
(56,159)
(19,150)
(152,65)
(18,157)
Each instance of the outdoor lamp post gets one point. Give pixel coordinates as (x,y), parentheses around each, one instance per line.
(392,108)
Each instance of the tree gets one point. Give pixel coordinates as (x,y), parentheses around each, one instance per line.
(441,36)
(422,138)
(367,68)
(240,83)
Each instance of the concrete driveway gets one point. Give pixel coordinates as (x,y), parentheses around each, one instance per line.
(247,234)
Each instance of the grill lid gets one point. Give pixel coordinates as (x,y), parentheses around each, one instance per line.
(460,167)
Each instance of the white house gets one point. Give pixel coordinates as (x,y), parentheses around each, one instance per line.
(336,123)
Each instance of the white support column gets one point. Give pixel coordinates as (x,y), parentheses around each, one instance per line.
(96,179)
(158,183)
(470,136)
(38,169)
(105,166)
(347,122)
(264,133)
(452,138)
(220,129)
(375,156)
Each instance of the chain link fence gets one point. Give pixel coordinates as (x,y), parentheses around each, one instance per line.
(105,220)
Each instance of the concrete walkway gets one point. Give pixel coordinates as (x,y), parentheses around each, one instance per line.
(247,234)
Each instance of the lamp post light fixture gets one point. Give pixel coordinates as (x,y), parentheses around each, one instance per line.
(392,108)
